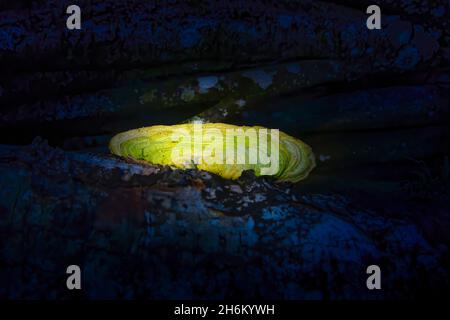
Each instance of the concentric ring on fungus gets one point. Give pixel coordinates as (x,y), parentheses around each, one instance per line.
(156,144)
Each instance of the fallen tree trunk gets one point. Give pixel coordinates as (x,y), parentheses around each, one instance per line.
(432,13)
(345,150)
(256,91)
(376,108)
(147,99)
(139,231)
(142,33)
(143,231)
(17,89)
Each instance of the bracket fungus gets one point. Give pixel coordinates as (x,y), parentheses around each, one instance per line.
(223,149)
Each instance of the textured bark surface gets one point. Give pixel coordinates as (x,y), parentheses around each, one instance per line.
(81,82)
(142,231)
(229,30)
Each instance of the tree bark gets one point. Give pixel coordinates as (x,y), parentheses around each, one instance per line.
(142,33)
(127,226)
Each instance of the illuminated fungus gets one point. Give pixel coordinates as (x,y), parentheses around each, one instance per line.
(223,149)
